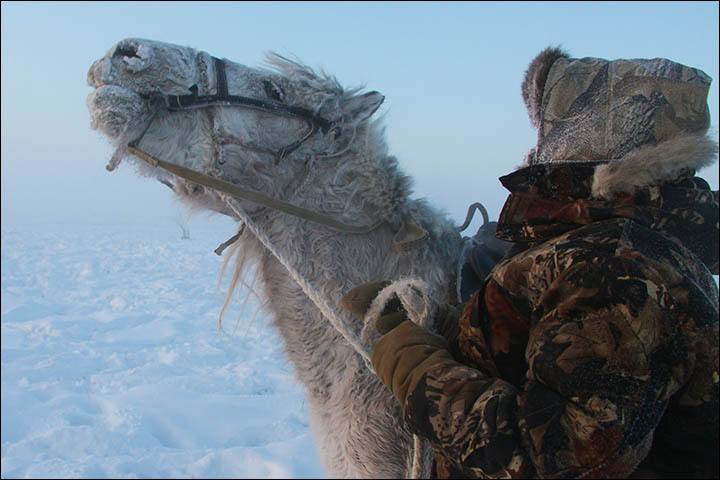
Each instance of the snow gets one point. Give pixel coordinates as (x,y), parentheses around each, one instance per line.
(113,365)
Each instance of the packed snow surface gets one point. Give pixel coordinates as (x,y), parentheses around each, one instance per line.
(113,365)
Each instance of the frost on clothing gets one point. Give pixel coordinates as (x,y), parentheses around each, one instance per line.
(590,351)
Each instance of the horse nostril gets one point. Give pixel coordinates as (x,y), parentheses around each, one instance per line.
(126,50)
(130,57)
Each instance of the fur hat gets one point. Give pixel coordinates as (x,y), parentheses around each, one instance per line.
(595,109)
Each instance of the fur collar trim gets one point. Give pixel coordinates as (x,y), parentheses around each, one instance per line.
(653,164)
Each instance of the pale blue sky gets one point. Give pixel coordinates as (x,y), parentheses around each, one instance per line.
(450,71)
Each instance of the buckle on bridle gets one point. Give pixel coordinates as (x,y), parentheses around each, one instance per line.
(180,102)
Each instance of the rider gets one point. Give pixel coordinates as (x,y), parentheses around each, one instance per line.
(591,349)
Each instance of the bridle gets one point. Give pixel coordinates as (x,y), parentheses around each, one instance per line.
(223,98)
(177,103)
(409,235)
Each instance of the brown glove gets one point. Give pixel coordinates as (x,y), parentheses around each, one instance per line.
(404,355)
(401,357)
(358,301)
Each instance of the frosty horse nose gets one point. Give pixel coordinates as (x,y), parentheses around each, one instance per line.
(148,67)
(126,49)
(132,55)
(127,57)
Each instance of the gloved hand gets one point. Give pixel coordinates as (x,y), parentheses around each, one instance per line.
(359,299)
(405,351)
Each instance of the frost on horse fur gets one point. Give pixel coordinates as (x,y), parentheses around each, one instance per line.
(345,172)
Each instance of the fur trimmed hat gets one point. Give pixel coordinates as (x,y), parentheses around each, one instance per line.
(595,109)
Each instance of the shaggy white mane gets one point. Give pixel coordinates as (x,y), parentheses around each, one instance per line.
(318,91)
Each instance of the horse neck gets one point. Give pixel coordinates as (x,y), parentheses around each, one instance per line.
(333,262)
(361,186)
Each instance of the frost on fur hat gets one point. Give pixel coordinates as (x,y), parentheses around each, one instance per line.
(595,109)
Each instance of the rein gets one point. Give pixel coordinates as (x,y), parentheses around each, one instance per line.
(245,194)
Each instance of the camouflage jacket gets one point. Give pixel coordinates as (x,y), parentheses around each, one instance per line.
(593,352)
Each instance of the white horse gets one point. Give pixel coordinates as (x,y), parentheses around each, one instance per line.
(296,137)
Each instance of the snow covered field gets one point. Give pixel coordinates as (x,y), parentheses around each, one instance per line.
(113,366)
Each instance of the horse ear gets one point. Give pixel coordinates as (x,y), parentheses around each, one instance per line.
(361,107)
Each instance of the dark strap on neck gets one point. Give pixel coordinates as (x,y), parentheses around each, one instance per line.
(223,97)
(222,86)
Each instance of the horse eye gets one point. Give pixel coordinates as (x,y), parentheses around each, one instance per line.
(273,91)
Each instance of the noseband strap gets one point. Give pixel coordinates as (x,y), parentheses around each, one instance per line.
(223,98)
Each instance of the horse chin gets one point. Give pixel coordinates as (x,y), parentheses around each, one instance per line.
(114,110)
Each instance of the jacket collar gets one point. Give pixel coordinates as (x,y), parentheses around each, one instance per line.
(549,199)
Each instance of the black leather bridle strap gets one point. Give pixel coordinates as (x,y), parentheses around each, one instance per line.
(223,98)
(222,87)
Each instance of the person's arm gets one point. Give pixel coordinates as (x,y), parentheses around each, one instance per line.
(599,377)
